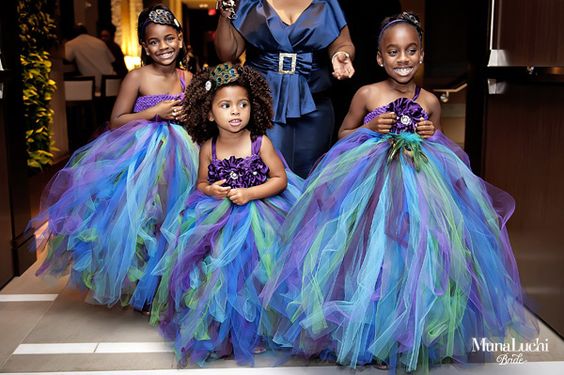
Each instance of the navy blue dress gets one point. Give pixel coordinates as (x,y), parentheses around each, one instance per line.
(295,61)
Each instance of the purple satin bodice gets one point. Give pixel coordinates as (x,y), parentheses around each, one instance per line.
(408,112)
(239,172)
(147,101)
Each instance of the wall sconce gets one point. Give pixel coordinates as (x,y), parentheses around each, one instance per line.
(132,62)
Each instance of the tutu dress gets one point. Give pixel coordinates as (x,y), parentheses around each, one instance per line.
(105,207)
(223,255)
(396,252)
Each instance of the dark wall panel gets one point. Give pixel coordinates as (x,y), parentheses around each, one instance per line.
(14,196)
(6,259)
(530,31)
(524,156)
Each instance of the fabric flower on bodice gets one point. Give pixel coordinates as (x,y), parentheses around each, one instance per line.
(257,171)
(231,170)
(402,136)
(238,172)
(408,114)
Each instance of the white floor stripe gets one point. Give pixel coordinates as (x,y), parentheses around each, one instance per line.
(27,297)
(64,348)
(544,368)
(94,348)
(134,347)
(214,371)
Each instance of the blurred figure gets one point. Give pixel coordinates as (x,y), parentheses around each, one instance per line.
(107,33)
(91,55)
(193,61)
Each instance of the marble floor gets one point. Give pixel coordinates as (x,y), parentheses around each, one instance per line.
(46,328)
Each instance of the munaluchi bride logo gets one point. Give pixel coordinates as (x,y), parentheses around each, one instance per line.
(510,352)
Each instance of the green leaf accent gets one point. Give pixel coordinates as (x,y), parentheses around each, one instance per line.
(408,143)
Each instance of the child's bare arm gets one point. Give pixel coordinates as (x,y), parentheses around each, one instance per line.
(426,128)
(356,113)
(277,178)
(213,190)
(122,112)
(358,109)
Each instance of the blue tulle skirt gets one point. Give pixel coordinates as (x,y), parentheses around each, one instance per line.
(220,257)
(395,252)
(104,210)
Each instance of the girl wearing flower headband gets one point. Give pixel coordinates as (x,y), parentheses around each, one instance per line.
(396,253)
(105,208)
(222,244)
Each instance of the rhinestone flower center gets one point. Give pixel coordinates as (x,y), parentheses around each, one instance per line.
(405,120)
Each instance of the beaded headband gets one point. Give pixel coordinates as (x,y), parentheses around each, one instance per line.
(223,74)
(160,17)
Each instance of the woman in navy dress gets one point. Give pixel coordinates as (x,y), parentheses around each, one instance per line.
(297,45)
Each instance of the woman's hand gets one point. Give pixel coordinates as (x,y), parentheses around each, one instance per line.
(342,65)
(383,123)
(217,191)
(425,128)
(239,196)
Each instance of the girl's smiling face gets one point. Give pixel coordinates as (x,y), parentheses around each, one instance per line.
(162,43)
(231,109)
(400,52)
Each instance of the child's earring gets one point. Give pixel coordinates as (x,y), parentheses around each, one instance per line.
(421,61)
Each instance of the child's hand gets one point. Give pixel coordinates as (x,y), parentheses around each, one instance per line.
(425,128)
(383,123)
(178,114)
(239,196)
(169,110)
(216,190)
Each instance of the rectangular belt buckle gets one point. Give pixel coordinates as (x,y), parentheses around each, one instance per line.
(281,57)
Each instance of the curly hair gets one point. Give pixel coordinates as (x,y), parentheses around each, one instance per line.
(200,93)
(409,18)
(169,19)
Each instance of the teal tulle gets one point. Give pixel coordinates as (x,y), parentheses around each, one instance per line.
(220,256)
(395,252)
(105,208)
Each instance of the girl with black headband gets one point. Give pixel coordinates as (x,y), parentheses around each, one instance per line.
(106,206)
(396,254)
